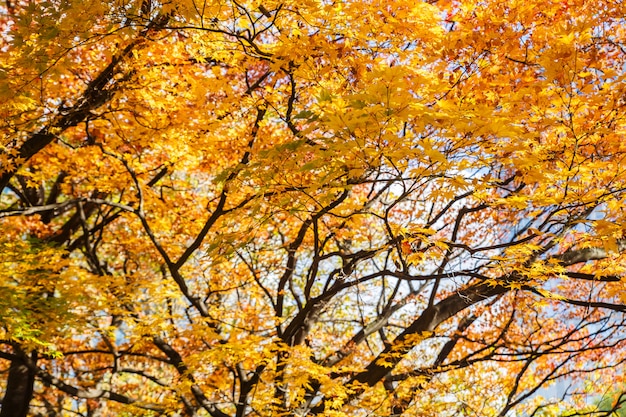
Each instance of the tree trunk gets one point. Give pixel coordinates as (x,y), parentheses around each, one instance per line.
(19,389)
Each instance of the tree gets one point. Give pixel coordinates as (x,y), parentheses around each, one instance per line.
(351,208)
(612,404)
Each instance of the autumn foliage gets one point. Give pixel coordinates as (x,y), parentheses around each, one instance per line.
(309,207)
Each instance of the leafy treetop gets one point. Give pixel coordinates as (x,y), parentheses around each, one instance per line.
(244,208)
